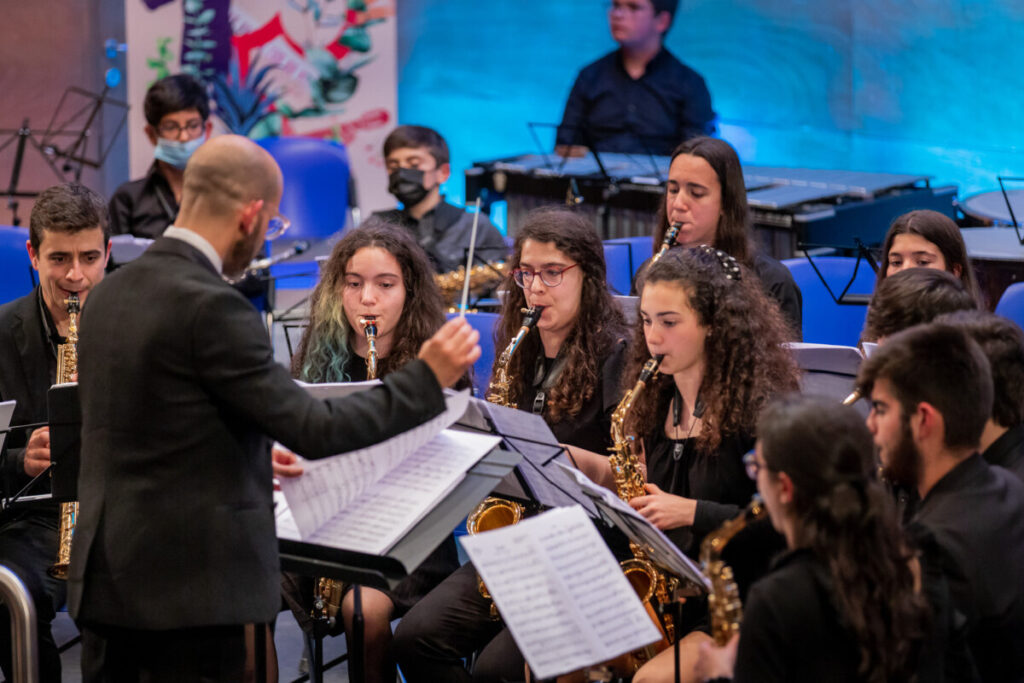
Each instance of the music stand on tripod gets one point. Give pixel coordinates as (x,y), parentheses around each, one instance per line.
(65,159)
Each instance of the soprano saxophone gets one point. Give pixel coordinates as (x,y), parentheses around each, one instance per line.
(495,512)
(329,592)
(724,599)
(67,367)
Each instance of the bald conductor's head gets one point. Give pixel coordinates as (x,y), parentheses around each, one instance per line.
(228,172)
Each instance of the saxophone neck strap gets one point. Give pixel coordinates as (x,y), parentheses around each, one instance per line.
(544,378)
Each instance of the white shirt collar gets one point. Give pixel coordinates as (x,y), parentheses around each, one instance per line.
(197,241)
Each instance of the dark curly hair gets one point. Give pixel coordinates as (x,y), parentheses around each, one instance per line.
(324,349)
(733,232)
(599,325)
(744,359)
(848,520)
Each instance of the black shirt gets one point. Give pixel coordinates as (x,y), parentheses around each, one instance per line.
(976,515)
(609,110)
(1008,451)
(779,284)
(591,427)
(791,631)
(444,233)
(144,207)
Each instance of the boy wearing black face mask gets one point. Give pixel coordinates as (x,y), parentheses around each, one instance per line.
(417,163)
(177,113)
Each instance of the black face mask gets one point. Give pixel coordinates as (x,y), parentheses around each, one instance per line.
(407,186)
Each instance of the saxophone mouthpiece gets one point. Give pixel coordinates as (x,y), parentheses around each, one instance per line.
(532,315)
(369,323)
(650,367)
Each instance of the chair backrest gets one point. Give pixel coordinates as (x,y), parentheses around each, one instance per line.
(15,266)
(640,249)
(619,275)
(824,321)
(484,324)
(316,185)
(1011,303)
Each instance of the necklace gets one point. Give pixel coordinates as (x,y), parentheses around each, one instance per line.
(677,417)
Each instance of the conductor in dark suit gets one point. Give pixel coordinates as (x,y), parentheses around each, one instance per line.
(175,547)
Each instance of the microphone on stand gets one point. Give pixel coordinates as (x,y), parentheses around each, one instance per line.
(264,263)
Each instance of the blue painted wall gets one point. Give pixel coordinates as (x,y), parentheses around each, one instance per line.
(915,86)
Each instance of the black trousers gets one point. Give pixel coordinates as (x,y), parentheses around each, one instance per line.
(28,547)
(446,627)
(111,654)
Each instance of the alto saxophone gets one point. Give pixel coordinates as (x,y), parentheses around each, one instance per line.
(494,512)
(668,242)
(648,582)
(724,599)
(329,592)
(67,367)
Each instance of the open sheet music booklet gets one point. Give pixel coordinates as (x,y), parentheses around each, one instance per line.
(560,591)
(366,500)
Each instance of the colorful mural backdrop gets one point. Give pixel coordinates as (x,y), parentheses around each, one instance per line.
(318,68)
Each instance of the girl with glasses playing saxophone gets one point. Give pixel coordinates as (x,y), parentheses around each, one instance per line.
(377,276)
(567,370)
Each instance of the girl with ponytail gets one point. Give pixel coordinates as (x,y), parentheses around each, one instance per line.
(842,603)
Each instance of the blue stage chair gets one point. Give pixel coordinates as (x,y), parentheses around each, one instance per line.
(484,324)
(1011,303)
(824,321)
(619,274)
(640,249)
(15,267)
(316,185)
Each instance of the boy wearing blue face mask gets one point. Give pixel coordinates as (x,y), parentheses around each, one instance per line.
(177,111)
(417,161)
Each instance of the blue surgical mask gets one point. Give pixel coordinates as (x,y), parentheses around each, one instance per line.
(176,153)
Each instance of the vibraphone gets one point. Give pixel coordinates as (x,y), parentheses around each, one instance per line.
(621,193)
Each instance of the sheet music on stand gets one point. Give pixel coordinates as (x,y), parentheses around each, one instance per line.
(827,369)
(660,550)
(536,476)
(366,500)
(570,606)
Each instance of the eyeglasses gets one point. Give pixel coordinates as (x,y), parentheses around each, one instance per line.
(552,277)
(752,465)
(277,226)
(171,129)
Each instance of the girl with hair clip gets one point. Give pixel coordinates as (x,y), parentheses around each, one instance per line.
(376,270)
(568,369)
(927,239)
(721,342)
(706,197)
(843,603)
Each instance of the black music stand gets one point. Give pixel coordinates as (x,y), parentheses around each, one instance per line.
(1009,204)
(845,298)
(387,570)
(65,413)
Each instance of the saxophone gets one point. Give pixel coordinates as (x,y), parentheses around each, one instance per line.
(724,599)
(500,388)
(67,367)
(648,582)
(668,242)
(329,592)
(494,512)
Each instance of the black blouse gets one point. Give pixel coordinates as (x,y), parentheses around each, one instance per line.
(591,427)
